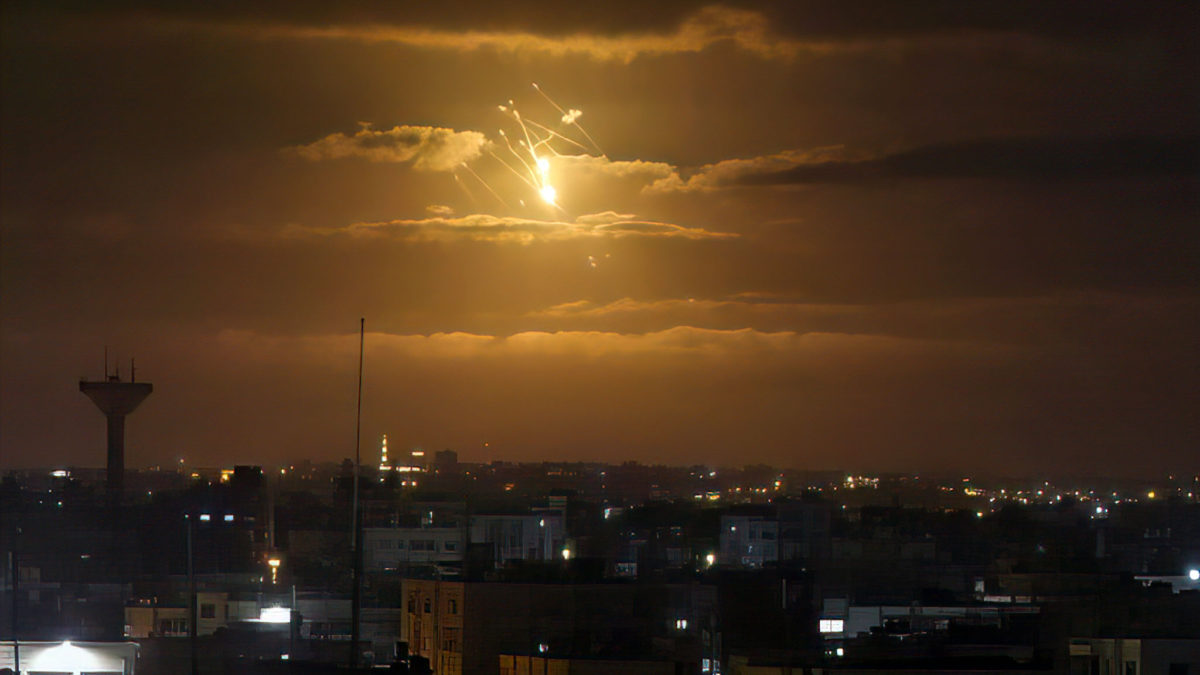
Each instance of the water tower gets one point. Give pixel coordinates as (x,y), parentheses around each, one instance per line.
(116,399)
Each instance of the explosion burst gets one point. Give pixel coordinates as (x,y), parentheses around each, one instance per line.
(535,148)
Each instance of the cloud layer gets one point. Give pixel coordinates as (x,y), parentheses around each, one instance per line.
(706,27)
(1003,158)
(426,148)
(489,228)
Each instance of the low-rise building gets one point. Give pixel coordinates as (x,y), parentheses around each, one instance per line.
(464,627)
(1132,656)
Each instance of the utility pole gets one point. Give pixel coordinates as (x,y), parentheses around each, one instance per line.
(193,629)
(356,517)
(14,566)
(292,627)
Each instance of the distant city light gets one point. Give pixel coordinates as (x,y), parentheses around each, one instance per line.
(543,647)
(681,624)
(566,554)
(229,517)
(711,559)
(205,517)
(1194,574)
(60,473)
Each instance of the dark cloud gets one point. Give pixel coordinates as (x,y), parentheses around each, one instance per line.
(1010,159)
(809,18)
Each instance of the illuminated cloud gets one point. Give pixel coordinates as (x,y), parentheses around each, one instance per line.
(1040,320)
(1005,158)
(733,172)
(747,30)
(750,31)
(591,166)
(483,227)
(1002,158)
(427,148)
(682,341)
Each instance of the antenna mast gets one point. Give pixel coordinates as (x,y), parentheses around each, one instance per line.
(356,519)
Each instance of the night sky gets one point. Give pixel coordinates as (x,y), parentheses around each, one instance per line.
(955,236)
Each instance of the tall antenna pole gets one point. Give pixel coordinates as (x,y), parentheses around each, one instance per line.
(356,520)
(193,615)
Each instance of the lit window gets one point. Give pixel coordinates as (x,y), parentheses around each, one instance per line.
(681,624)
(832,625)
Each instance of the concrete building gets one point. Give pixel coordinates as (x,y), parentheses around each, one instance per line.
(756,536)
(399,548)
(840,620)
(750,541)
(519,664)
(70,658)
(215,610)
(464,627)
(1118,656)
(525,537)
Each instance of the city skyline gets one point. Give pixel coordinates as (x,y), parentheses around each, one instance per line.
(886,237)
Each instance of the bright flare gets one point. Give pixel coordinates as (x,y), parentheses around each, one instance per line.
(549,194)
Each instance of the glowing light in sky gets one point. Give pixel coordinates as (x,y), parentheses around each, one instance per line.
(529,158)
